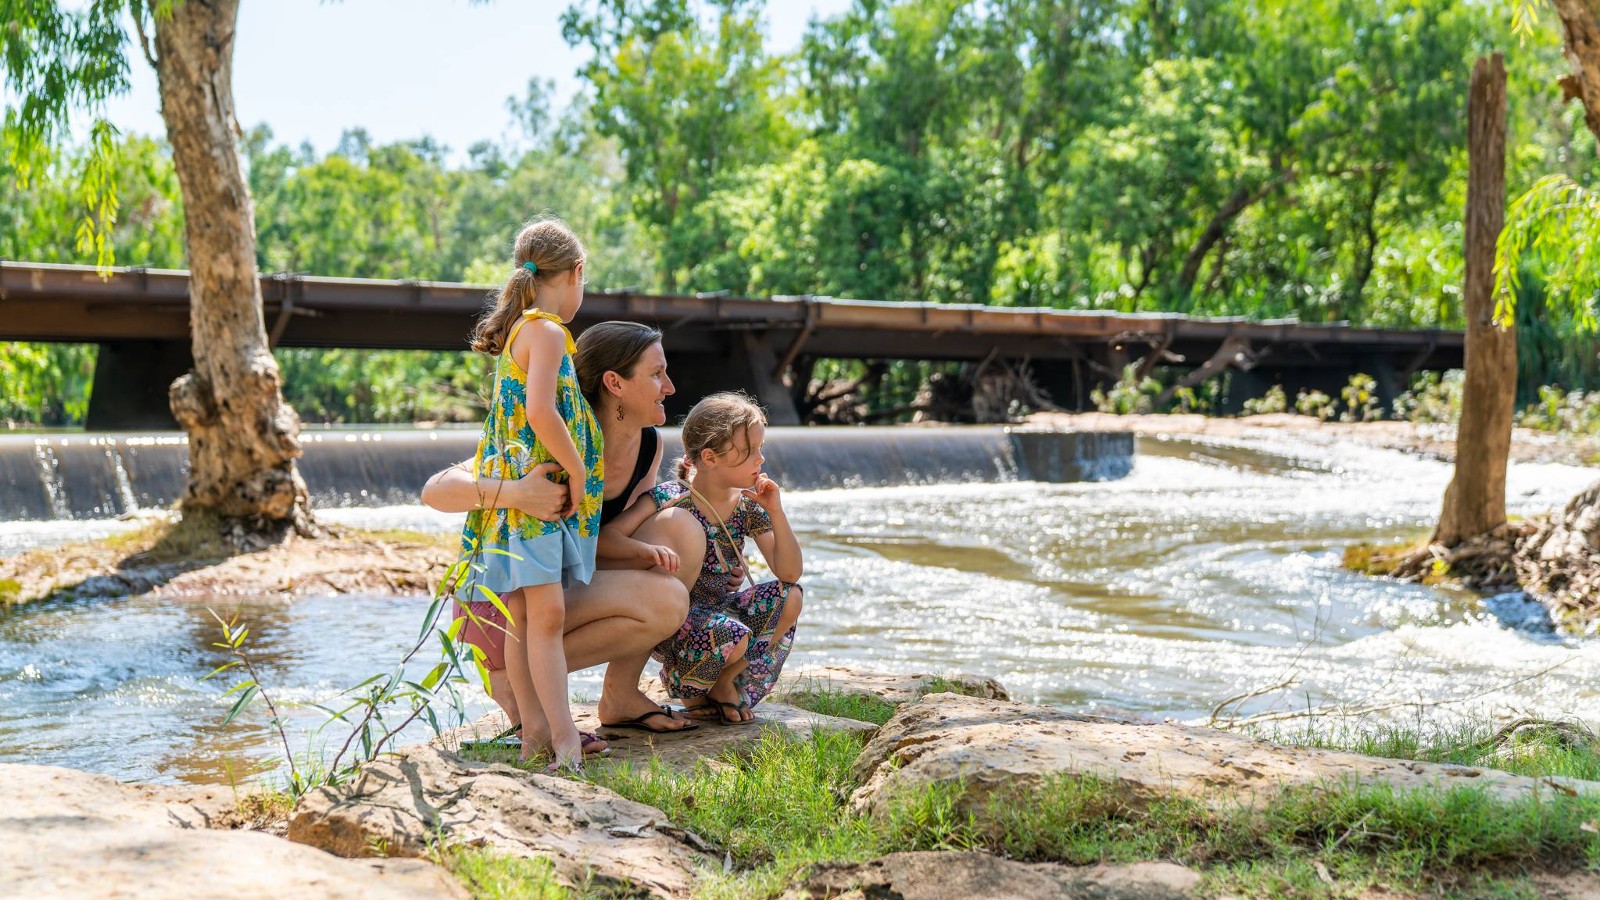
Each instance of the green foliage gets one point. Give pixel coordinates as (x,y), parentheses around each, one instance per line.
(379,707)
(488,875)
(781,808)
(861,707)
(1360,398)
(45,384)
(355,386)
(1285,160)
(1553,226)
(1315,403)
(1432,398)
(58,62)
(687,90)
(1130,395)
(1573,412)
(1272,401)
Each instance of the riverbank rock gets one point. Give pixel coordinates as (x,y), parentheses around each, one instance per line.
(401,806)
(682,750)
(65,833)
(995,748)
(958,876)
(890,687)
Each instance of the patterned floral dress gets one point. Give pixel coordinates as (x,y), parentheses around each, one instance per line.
(534,551)
(692,659)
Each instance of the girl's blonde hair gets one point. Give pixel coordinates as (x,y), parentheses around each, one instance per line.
(555,250)
(714,422)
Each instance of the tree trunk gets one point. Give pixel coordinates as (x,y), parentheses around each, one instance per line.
(1580,26)
(1475,502)
(243,438)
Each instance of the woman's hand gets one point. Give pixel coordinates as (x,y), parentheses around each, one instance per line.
(765,493)
(538,496)
(657,555)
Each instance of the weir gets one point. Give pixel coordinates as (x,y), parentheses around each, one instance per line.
(100,476)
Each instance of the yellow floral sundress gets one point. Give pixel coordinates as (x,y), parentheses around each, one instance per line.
(535,552)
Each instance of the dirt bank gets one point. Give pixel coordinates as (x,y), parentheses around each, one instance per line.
(152,560)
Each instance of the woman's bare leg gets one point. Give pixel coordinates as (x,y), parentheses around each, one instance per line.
(628,612)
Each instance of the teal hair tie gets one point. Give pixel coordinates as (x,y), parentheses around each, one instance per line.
(531,267)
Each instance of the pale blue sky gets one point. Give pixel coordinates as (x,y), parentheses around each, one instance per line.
(401,68)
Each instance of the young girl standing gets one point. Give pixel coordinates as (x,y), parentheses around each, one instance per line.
(728,653)
(537,414)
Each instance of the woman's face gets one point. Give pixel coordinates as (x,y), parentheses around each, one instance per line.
(643,394)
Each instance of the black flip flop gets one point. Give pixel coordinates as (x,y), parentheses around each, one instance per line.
(637,723)
(721,707)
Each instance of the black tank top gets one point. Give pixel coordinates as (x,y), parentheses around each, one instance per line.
(612,508)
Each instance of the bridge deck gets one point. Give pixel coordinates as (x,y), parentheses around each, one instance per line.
(766,339)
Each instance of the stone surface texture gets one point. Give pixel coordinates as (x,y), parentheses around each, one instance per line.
(998,747)
(71,834)
(402,805)
(888,686)
(959,876)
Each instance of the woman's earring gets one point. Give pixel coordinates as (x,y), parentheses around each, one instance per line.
(619,414)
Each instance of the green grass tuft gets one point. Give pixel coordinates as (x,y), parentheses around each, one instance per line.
(490,876)
(1540,748)
(861,707)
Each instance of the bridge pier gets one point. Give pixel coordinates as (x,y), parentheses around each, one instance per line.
(739,360)
(130,385)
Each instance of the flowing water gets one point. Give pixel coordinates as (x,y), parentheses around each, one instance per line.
(1210,571)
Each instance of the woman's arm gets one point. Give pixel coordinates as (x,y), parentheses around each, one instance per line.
(617,541)
(779,547)
(455,490)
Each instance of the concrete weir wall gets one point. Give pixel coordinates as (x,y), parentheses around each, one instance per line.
(97,476)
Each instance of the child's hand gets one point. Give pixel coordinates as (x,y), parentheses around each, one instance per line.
(656,555)
(765,493)
(574,496)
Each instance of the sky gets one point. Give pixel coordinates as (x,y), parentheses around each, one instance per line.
(401,69)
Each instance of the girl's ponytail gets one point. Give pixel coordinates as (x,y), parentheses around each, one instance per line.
(544,249)
(681,468)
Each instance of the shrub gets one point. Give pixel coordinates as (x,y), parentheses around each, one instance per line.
(1271,402)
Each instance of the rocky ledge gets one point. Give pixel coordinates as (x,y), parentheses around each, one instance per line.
(371,837)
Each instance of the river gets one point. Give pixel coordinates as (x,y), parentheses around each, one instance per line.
(1211,571)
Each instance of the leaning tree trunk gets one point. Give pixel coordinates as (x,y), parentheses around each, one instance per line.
(243,438)
(1475,501)
(1580,28)
(1560,560)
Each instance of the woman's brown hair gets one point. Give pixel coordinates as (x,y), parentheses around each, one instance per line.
(551,246)
(714,422)
(610,347)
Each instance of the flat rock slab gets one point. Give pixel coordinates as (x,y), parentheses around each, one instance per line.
(402,805)
(992,746)
(65,833)
(681,750)
(958,876)
(887,686)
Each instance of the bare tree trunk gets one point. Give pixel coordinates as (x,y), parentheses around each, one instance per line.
(1475,502)
(243,438)
(1580,26)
